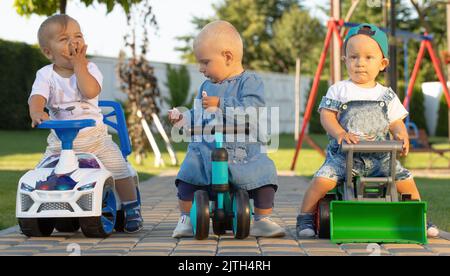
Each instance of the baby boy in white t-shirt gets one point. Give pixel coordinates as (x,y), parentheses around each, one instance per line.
(354,110)
(69,89)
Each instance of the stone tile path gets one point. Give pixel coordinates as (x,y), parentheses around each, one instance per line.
(160,211)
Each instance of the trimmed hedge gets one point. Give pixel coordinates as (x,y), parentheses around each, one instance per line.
(18,67)
(417,108)
(442,124)
(314,124)
(416,105)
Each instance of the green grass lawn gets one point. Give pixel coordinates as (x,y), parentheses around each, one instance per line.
(435,193)
(21,150)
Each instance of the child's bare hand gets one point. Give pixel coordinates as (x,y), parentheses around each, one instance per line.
(210,103)
(77,54)
(38,117)
(405,140)
(175,116)
(349,138)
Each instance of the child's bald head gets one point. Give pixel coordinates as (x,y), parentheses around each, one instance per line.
(51,26)
(220,36)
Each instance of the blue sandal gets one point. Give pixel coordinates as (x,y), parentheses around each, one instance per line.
(133,217)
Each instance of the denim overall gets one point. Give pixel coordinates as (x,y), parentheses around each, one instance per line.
(369,120)
(249,167)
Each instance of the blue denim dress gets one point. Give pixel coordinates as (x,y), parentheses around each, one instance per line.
(370,121)
(249,166)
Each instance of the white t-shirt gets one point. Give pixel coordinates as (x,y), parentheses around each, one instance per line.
(345,91)
(64,99)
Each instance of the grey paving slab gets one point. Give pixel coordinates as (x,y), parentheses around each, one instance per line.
(52,254)
(415,253)
(326,253)
(148,253)
(8,243)
(283,253)
(17,253)
(247,253)
(369,254)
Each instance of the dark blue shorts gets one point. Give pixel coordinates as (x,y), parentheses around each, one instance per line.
(263,197)
(365,164)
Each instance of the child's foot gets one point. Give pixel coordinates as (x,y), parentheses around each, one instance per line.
(266,227)
(133,219)
(432,230)
(305,226)
(184,228)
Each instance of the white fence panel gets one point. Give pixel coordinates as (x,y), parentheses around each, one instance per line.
(279,88)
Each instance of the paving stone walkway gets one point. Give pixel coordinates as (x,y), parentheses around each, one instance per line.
(160,211)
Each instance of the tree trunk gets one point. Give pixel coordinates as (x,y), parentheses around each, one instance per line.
(62,6)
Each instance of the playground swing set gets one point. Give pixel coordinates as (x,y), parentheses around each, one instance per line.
(334,26)
(399,218)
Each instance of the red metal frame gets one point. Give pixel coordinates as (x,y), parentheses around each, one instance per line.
(426,44)
(334,27)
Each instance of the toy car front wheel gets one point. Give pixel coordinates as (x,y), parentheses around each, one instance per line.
(103,226)
(36,227)
(68,225)
(200,215)
(241,214)
(323,218)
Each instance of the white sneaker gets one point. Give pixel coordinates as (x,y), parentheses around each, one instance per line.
(432,230)
(305,226)
(306,234)
(184,228)
(266,227)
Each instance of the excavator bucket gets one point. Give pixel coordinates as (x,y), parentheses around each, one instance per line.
(378,222)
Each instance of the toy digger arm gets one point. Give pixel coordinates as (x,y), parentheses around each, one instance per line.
(369,147)
(366,146)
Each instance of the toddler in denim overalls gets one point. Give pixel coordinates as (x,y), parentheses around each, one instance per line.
(218,50)
(354,110)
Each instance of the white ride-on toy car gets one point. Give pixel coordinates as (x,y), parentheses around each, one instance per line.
(73,190)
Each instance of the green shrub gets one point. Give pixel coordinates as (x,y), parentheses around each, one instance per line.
(178,82)
(442,124)
(416,105)
(19,64)
(417,108)
(314,123)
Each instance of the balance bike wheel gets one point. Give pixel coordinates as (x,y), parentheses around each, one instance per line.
(67,225)
(219,222)
(323,218)
(200,215)
(103,226)
(241,214)
(36,227)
